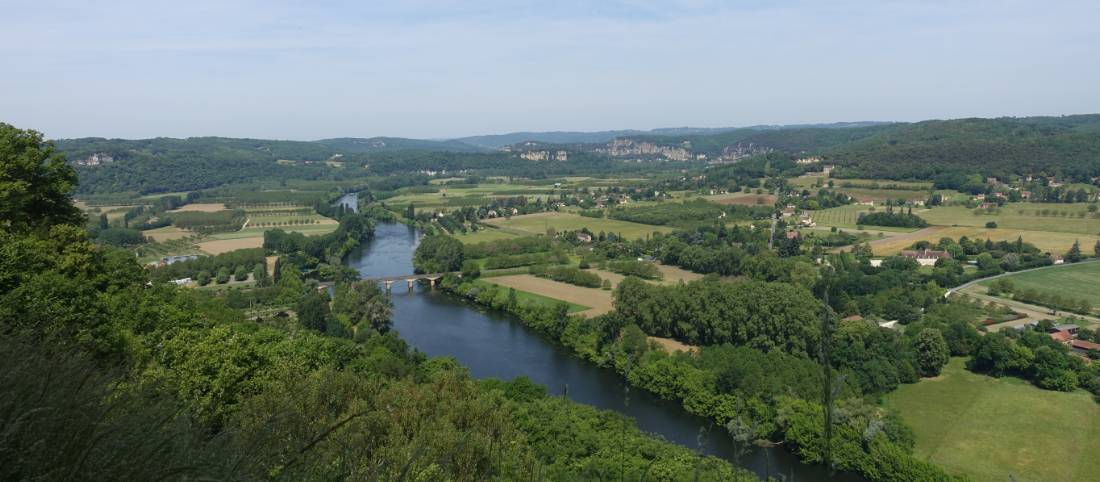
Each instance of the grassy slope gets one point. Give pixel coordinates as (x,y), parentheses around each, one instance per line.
(1081,281)
(991,428)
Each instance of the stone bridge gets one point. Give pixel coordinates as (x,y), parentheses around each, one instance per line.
(409,279)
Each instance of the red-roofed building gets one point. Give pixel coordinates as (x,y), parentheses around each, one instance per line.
(1084,345)
(1061,336)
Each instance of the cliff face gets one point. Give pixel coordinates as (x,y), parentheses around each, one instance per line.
(632,148)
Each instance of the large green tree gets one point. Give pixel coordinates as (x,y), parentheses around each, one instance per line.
(35,182)
(364,306)
(438,253)
(931,352)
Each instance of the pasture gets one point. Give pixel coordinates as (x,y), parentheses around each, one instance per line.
(483,235)
(1063,218)
(1078,281)
(1047,241)
(846,217)
(540,222)
(993,429)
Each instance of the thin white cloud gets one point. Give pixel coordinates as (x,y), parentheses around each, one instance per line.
(437,69)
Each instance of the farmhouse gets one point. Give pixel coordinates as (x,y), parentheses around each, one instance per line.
(1066,327)
(926,257)
(1084,346)
(1061,336)
(167,260)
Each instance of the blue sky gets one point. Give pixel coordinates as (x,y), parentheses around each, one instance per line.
(309,70)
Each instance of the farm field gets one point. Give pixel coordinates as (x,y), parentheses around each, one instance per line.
(846,217)
(807,181)
(527,297)
(219,246)
(452,197)
(1047,241)
(867,194)
(200,207)
(538,223)
(483,235)
(742,198)
(991,429)
(1079,281)
(598,300)
(672,275)
(258,231)
(166,233)
(1026,216)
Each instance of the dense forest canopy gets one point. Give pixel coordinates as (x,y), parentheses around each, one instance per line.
(1067,146)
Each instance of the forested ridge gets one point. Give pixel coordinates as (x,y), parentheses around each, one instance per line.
(1066,146)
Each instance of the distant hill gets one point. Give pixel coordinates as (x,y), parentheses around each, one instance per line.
(780,138)
(352,145)
(1068,147)
(496,141)
(167,164)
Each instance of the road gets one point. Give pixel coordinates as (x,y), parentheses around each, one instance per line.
(1033,312)
(1053,266)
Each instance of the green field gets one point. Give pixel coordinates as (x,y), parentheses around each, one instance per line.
(483,235)
(846,216)
(539,223)
(1064,218)
(527,298)
(452,197)
(306,229)
(1078,281)
(991,429)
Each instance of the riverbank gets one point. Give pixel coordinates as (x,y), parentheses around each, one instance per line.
(493,344)
(679,378)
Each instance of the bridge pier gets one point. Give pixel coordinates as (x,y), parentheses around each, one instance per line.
(410,283)
(388,284)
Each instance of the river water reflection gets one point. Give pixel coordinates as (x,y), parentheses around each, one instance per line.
(493,344)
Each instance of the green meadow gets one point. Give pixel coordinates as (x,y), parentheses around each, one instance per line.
(1000,429)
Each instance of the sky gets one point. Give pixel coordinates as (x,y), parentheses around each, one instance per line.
(320,69)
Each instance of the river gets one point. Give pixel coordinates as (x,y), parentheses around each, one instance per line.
(493,344)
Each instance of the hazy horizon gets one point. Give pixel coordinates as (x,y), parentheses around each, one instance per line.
(442,70)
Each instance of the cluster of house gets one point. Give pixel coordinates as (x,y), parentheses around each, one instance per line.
(545,155)
(926,257)
(804,219)
(167,260)
(1066,334)
(96,159)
